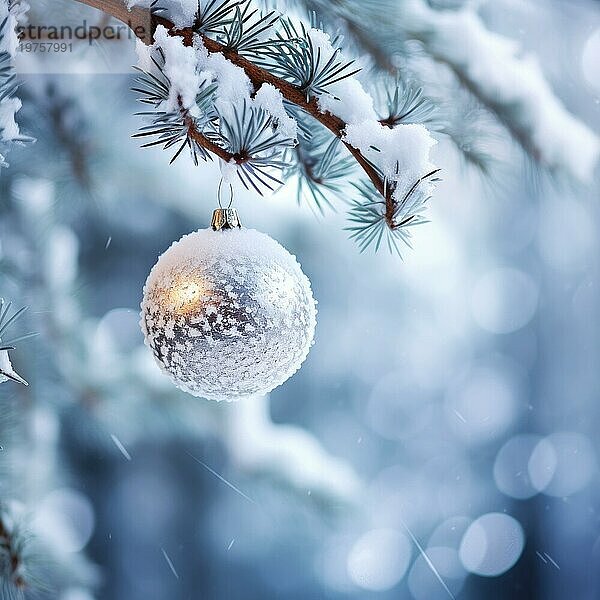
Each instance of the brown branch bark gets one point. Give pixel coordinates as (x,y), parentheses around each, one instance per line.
(203,141)
(142,21)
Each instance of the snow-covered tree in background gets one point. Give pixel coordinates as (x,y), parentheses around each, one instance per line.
(331,99)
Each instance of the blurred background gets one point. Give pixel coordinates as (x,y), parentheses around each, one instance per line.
(441,438)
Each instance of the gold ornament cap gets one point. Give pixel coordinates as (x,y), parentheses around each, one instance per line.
(225,218)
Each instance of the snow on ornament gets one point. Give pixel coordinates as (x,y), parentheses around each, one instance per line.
(228,312)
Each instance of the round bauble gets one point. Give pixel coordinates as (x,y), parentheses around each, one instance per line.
(228,314)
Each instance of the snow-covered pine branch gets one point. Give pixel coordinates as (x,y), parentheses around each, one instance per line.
(7,372)
(11,14)
(235,89)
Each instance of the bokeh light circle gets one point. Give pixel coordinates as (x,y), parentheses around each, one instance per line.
(575,463)
(119,330)
(483,402)
(379,559)
(542,465)
(504,300)
(492,544)
(514,466)
(66,518)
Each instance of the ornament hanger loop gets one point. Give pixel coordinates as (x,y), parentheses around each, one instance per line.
(225,218)
(231,194)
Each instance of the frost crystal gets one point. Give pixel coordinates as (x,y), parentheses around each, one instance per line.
(228,314)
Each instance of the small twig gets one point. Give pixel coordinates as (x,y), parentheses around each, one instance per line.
(200,138)
(391,206)
(203,141)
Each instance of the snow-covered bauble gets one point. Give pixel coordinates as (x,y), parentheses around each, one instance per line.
(228,312)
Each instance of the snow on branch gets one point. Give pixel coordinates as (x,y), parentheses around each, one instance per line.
(11,13)
(7,372)
(222,79)
(512,86)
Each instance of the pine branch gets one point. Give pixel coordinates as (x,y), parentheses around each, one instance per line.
(259,76)
(10,104)
(10,557)
(372,223)
(197,136)
(246,137)
(7,371)
(320,164)
(138,20)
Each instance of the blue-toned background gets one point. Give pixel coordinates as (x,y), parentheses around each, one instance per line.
(440,440)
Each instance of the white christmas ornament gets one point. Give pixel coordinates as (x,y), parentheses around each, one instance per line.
(228,312)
